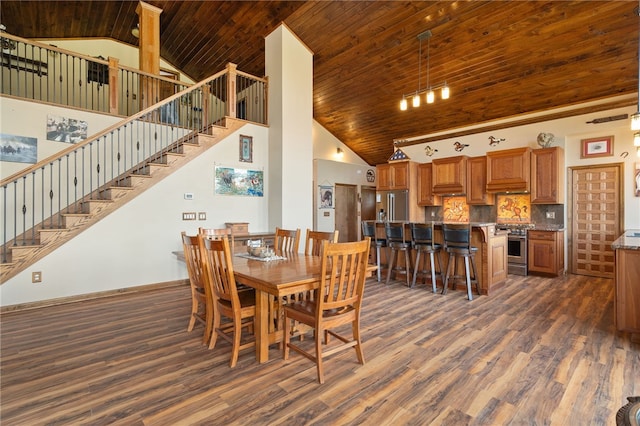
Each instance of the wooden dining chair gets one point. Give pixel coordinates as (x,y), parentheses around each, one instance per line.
(287,240)
(314,239)
(338,303)
(313,247)
(216,233)
(201,294)
(239,307)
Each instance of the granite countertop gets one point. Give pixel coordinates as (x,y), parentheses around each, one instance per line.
(548,227)
(440,222)
(630,240)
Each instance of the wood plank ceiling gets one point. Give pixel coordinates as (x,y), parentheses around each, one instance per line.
(501,59)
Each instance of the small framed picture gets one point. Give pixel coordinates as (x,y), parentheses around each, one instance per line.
(246,149)
(597,147)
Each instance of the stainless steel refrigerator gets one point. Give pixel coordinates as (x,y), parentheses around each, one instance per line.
(392,205)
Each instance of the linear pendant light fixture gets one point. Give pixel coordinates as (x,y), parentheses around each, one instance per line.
(429,93)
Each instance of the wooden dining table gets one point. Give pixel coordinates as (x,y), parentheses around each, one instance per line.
(276,278)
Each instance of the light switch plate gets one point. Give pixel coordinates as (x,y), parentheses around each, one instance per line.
(202,215)
(188,195)
(189,216)
(551,215)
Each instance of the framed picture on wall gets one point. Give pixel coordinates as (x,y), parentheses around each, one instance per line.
(597,147)
(326,197)
(246,149)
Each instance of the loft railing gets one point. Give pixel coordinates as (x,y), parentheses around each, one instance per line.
(46,73)
(37,197)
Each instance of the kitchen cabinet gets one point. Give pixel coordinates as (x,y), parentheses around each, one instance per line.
(547,176)
(402,175)
(497,257)
(394,175)
(546,252)
(477,182)
(508,170)
(450,175)
(426,197)
(626,300)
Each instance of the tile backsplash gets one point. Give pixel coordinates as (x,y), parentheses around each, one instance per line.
(485,214)
(513,208)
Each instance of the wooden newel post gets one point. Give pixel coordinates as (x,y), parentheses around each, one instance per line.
(113,85)
(206,107)
(231,90)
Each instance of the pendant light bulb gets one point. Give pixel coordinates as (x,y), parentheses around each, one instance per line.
(416,100)
(636,139)
(431,96)
(445,91)
(403,104)
(635,121)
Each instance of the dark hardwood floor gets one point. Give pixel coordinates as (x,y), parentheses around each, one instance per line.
(543,351)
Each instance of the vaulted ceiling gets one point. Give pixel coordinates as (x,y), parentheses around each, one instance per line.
(500,59)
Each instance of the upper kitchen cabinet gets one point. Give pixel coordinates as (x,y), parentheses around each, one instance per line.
(508,170)
(547,176)
(477,182)
(394,175)
(450,175)
(426,196)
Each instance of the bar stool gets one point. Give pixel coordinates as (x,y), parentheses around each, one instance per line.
(397,242)
(369,230)
(457,242)
(422,241)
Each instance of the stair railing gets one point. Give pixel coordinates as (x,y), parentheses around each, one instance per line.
(37,197)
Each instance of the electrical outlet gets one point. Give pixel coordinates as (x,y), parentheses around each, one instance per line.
(36,277)
(551,215)
(433,214)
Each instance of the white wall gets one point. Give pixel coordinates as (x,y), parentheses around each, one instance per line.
(132,246)
(289,67)
(23,118)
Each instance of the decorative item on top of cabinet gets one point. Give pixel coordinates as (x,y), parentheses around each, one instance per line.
(546,252)
(547,176)
(477,182)
(425,187)
(450,175)
(508,170)
(393,175)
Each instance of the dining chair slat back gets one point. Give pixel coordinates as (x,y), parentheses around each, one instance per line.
(201,293)
(314,239)
(287,240)
(239,306)
(217,233)
(339,301)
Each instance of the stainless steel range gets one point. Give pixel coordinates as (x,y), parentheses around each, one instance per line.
(516,246)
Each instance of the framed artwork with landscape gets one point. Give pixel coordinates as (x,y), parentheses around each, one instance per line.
(596,147)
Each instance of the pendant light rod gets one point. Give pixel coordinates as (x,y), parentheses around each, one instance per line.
(430,95)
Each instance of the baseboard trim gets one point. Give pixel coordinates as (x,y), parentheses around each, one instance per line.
(90,296)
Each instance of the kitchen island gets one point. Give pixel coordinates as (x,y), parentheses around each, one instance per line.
(491,258)
(627,283)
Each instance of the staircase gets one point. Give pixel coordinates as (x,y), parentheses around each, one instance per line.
(48,204)
(112,196)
